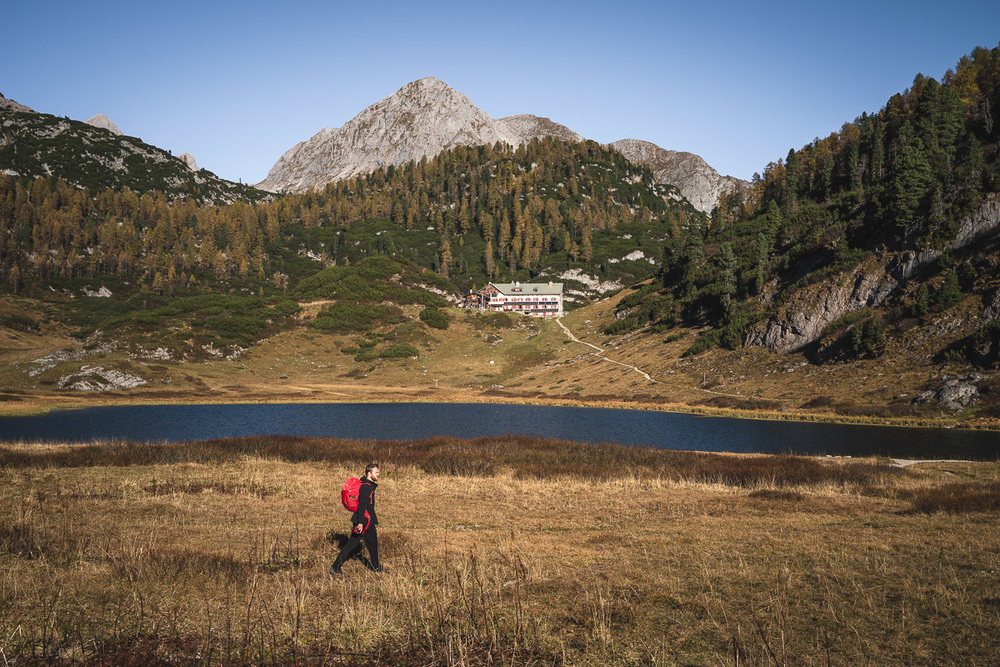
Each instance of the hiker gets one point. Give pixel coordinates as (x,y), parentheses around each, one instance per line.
(363,523)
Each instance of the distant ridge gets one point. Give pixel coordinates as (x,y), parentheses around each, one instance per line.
(96,154)
(421,119)
(427,116)
(11,105)
(696,180)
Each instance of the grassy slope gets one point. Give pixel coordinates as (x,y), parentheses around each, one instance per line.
(553,553)
(533,360)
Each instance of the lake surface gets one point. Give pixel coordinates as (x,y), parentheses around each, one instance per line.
(407,421)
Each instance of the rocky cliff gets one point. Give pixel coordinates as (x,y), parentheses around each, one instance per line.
(803,318)
(427,116)
(696,180)
(421,119)
(11,105)
(102,121)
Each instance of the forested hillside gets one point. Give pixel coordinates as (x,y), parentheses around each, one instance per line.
(889,183)
(471,214)
(40,145)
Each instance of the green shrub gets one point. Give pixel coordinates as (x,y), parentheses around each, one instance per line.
(706,341)
(950,292)
(624,325)
(345,317)
(399,351)
(868,339)
(20,322)
(434,318)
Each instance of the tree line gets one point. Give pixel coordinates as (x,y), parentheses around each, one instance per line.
(902,178)
(519,205)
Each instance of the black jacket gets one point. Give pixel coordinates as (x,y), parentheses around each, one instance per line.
(366,505)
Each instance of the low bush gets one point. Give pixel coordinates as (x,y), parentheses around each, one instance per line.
(704,342)
(347,317)
(959,497)
(434,318)
(20,323)
(399,351)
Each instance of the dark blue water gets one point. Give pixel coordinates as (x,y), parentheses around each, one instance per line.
(407,421)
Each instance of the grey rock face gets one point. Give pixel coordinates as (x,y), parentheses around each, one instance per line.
(99,379)
(421,119)
(808,314)
(189,160)
(696,180)
(11,105)
(992,307)
(524,127)
(427,116)
(811,312)
(102,121)
(955,394)
(983,221)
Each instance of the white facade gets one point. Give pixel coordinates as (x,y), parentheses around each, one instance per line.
(536,299)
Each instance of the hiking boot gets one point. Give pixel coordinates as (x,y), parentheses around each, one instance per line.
(335,570)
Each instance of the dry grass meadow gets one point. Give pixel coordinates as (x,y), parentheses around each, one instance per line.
(497,551)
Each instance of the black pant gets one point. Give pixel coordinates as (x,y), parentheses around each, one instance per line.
(370,538)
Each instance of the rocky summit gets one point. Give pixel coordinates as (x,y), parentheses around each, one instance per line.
(102,121)
(421,119)
(689,173)
(427,116)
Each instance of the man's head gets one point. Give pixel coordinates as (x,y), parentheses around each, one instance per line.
(371,471)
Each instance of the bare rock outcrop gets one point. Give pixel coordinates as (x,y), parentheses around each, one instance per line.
(421,119)
(523,127)
(689,173)
(102,121)
(813,309)
(955,394)
(11,105)
(189,160)
(427,116)
(804,318)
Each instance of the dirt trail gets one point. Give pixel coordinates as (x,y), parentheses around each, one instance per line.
(600,351)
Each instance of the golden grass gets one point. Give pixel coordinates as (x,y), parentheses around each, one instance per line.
(217,552)
(532,362)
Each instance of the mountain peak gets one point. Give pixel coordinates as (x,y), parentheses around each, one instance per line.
(695,179)
(427,82)
(102,121)
(421,119)
(428,116)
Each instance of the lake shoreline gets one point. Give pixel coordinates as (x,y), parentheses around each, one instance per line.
(39,405)
(428,416)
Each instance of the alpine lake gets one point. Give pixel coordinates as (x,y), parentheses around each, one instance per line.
(412,421)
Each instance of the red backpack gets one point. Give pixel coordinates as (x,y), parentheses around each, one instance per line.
(349,496)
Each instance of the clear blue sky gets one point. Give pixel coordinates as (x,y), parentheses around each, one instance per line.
(238,83)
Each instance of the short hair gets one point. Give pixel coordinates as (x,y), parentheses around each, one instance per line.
(370,466)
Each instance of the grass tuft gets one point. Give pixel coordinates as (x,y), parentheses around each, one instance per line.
(957,498)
